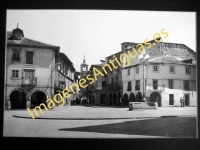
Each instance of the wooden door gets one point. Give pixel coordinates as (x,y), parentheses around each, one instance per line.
(171,99)
(187,100)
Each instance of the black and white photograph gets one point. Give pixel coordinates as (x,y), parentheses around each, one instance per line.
(98,74)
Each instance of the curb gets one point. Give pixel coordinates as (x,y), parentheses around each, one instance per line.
(91,118)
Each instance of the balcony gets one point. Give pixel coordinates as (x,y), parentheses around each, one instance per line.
(29,84)
(59,85)
(160,87)
(29,81)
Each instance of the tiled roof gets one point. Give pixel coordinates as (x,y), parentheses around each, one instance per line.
(67,59)
(26,42)
(97,65)
(166,59)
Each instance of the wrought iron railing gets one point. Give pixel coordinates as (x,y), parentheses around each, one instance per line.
(27,81)
(155,86)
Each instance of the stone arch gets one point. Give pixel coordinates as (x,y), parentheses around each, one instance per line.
(18,99)
(132,97)
(37,97)
(36,89)
(114,99)
(125,99)
(156,97)
(139,97)
(19,89)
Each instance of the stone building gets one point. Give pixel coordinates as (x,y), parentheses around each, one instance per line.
(29,70)
(99,87)
(168,74)
(114,83)
(64,76)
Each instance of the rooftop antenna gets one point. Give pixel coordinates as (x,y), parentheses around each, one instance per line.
(17,25)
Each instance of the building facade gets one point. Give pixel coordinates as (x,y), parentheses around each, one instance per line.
(64,76)
(168,75)
(114,83)
(98,94)
(29,76)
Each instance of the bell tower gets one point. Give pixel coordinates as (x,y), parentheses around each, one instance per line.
(83,69)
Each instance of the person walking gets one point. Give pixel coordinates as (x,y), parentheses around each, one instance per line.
(183,101)
(8,105)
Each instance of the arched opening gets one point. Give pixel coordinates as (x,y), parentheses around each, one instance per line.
(132,97)
(110,99)
(125,99)
(103,99)
(119,98)
(156,97)
(18,100)
(114,99)
(139,97)
(37,98)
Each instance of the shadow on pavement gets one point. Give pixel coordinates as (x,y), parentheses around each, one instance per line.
(169,127)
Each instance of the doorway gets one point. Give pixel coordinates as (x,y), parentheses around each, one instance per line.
(37,98)
(18,100)
(171,99)
(156,97)
(187,100)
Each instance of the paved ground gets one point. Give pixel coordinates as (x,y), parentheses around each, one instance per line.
(82,112)
(101,123)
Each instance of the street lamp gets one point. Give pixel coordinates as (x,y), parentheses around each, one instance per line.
(143,58)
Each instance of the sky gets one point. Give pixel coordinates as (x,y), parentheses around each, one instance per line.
(99,33)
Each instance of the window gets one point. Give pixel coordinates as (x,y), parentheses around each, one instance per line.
(155,68)
(16,55)
(171,69)
(137,70)
(103,84)
(15,73)
(29,76)
(171,84)
(186,85)
(29,57)
(188,70)
(155,84)
(128,71)
(129,86)
(137,86)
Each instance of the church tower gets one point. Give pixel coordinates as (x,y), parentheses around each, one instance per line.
(83,69)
